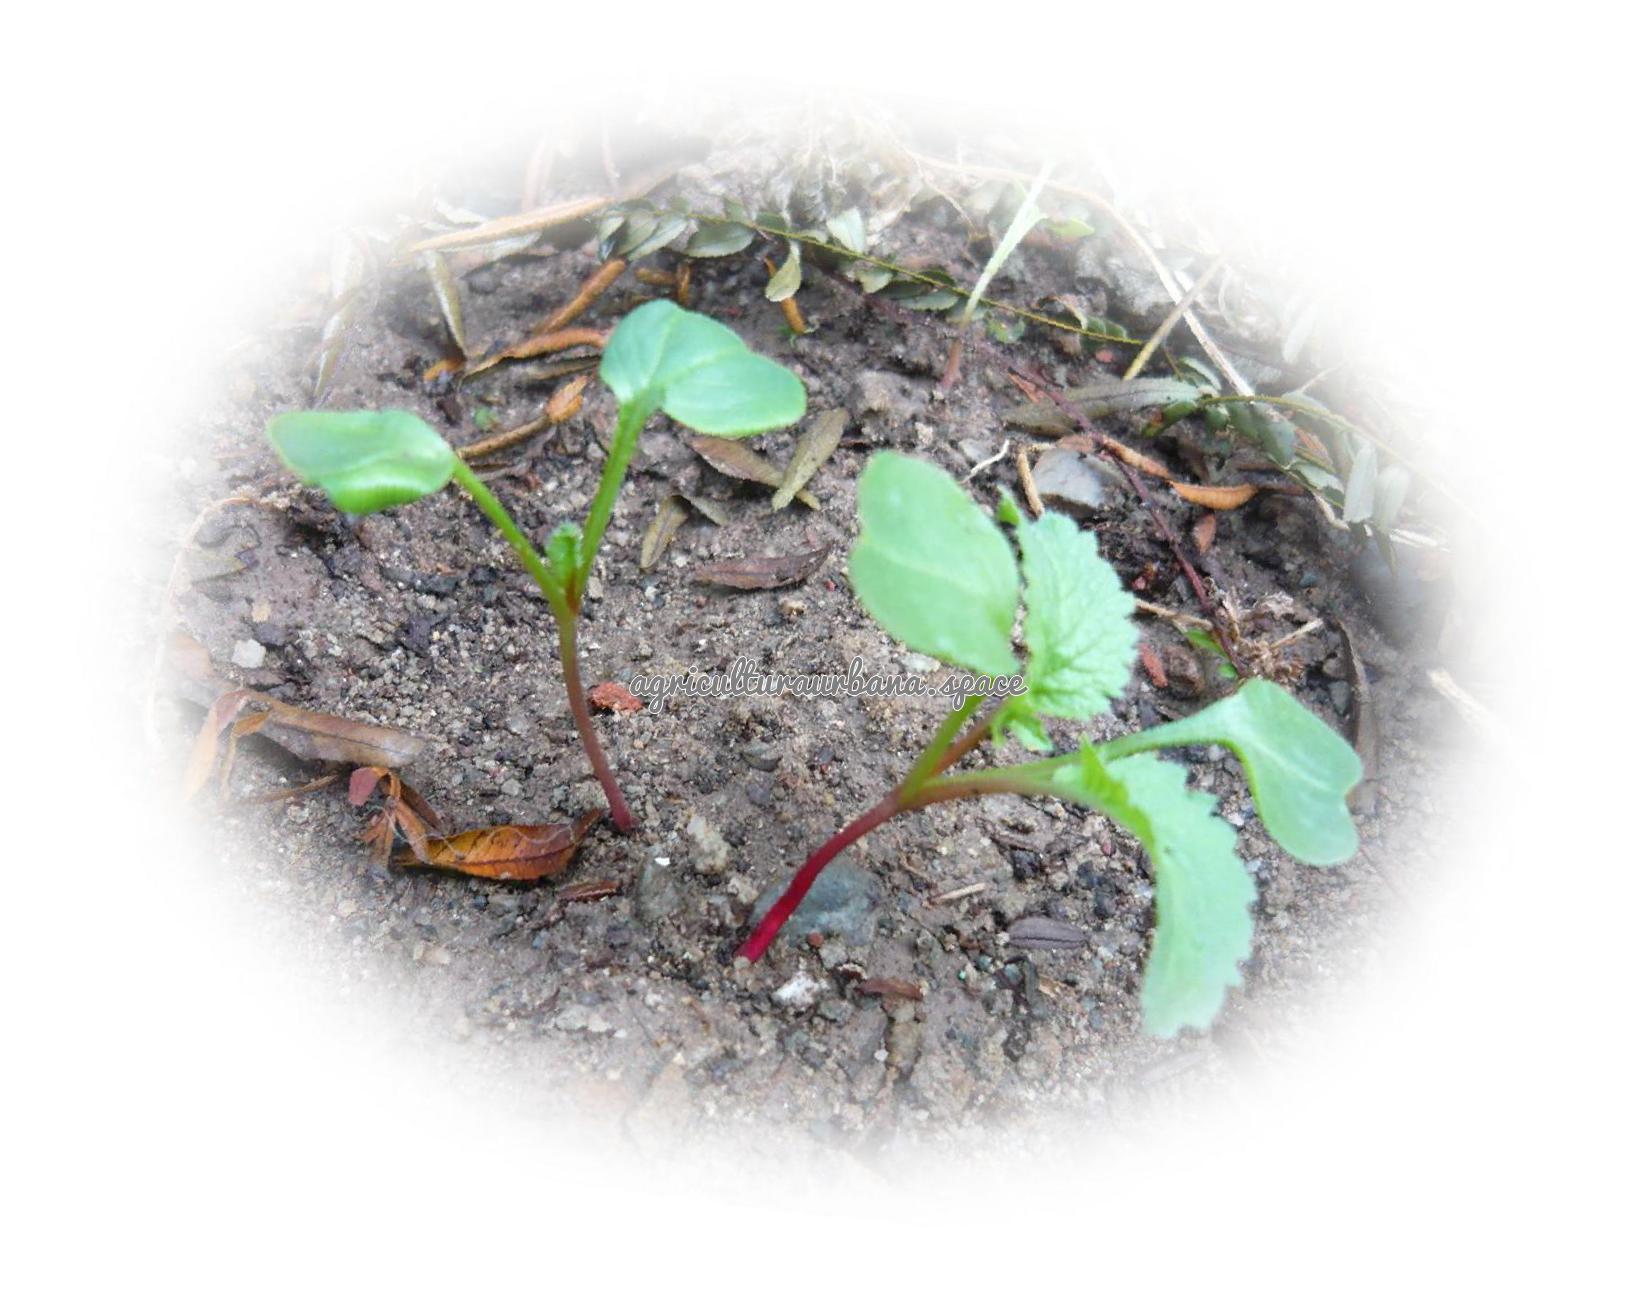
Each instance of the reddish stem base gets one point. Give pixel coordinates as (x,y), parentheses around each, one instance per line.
(763,934)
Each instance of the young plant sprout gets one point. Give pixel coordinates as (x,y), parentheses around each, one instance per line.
(936,571)
(660,358)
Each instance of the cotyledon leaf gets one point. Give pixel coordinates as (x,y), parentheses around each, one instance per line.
(699,372)
(1204,928)
(932,567)
(365,460)
(1299,768)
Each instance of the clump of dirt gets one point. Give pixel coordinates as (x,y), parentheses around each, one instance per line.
(418,618)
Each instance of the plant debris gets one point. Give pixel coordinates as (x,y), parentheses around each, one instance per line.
(510,853)
(739,461)
(767,572)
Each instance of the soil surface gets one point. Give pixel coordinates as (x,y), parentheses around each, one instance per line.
(634,1003)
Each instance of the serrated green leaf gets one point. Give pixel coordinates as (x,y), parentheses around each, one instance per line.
(1204,928)
(1023,725)
(1298,767)
(718,239)
(1078,621)
(699,372)
(365,460)
(932,567)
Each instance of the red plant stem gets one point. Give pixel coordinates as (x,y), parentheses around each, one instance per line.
(966,742)
(570,667)
(763,934)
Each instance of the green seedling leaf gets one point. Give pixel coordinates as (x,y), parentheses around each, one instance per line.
(719,239)
(1203,927)
(847,229)
(1393,483)
(1077,624)
(787,280)
(1201,639)
(872,279)
(1003,329)
(365,460)
(1069,228)
(1298,767)
(1361,487)
(1026,217)
(699,372)
(932,567)
(564,547)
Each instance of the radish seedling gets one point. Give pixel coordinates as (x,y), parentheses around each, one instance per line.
(660,358)
(936,571)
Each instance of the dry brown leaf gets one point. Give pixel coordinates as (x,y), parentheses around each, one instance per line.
(241,728)
(206,747)
(890,986)
(566,402)
(813,447)
(669,516)
(1153,665)
(590,292)
(513,227)
(1125,454)
(737,460)
(447,297)
(310,736)
(519,853)
(612,697)
(713,511)
(1203,531)
(767,572)
(545,344)
(1215,497)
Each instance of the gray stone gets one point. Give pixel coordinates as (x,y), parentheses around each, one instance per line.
(248,654)
(1067,477)
(1407,602)
(835,1010)
(657,895)
(800,992)
(711,851)
(841,903)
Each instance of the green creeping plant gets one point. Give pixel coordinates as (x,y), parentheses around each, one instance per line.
(660,358)
(937,572)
